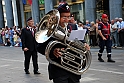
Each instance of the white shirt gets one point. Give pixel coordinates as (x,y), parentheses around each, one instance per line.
(80,28)
(113,26)
(121,25)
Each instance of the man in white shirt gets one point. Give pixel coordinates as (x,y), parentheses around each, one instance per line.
(121,32)
(113,29)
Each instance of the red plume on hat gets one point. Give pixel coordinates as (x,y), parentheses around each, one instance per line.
(104,16)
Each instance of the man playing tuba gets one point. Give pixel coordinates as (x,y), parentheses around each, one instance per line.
(57,74)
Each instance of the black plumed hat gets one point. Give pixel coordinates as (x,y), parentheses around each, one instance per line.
(30,18)
(63,8)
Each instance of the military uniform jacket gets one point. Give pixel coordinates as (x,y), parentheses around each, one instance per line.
(55,71)
(28,40)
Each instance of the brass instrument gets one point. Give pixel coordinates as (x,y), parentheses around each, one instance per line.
(75,58)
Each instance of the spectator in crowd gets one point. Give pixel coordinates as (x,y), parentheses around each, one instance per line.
(11,33)
(114,30)
(121,32)
(72,24)
(15,38)
(97,38)
(80,26)
(0,37)
(3,36)
(92,34)
(7,29)
(87,37)
(117,22)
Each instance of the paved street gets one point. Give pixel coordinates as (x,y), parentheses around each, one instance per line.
(11,68)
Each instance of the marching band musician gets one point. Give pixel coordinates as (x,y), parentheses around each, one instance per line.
(29,46)
(57,74)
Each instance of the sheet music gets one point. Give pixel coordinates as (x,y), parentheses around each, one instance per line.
(77,34)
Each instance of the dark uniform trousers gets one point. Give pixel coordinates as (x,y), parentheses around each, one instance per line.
(57,74)
(28,41)
(121,38)
(28,55)
(103,43)
(66,79)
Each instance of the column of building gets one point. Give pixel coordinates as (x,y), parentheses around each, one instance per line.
(35,11)
(9,13)
(15,15)
(90,6)
(22,13)
(1,15)
(48,5)
(115,7)
(81,13)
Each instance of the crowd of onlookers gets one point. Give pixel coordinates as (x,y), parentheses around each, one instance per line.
(10,36)
(92,37)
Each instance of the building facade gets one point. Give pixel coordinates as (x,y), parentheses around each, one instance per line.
(15,12)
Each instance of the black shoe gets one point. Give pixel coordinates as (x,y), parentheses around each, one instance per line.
(36,72)
(100,59)
(27,72)
(110,60)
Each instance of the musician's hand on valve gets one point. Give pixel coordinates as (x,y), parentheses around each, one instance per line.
(87,46)
(57,52)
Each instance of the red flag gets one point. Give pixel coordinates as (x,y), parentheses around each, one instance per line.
(30,2)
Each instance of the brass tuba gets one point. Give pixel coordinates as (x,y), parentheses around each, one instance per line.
(75,58)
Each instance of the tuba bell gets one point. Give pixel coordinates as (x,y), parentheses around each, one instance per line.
(75,57)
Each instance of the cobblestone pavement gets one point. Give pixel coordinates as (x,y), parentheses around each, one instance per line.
(11,68)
